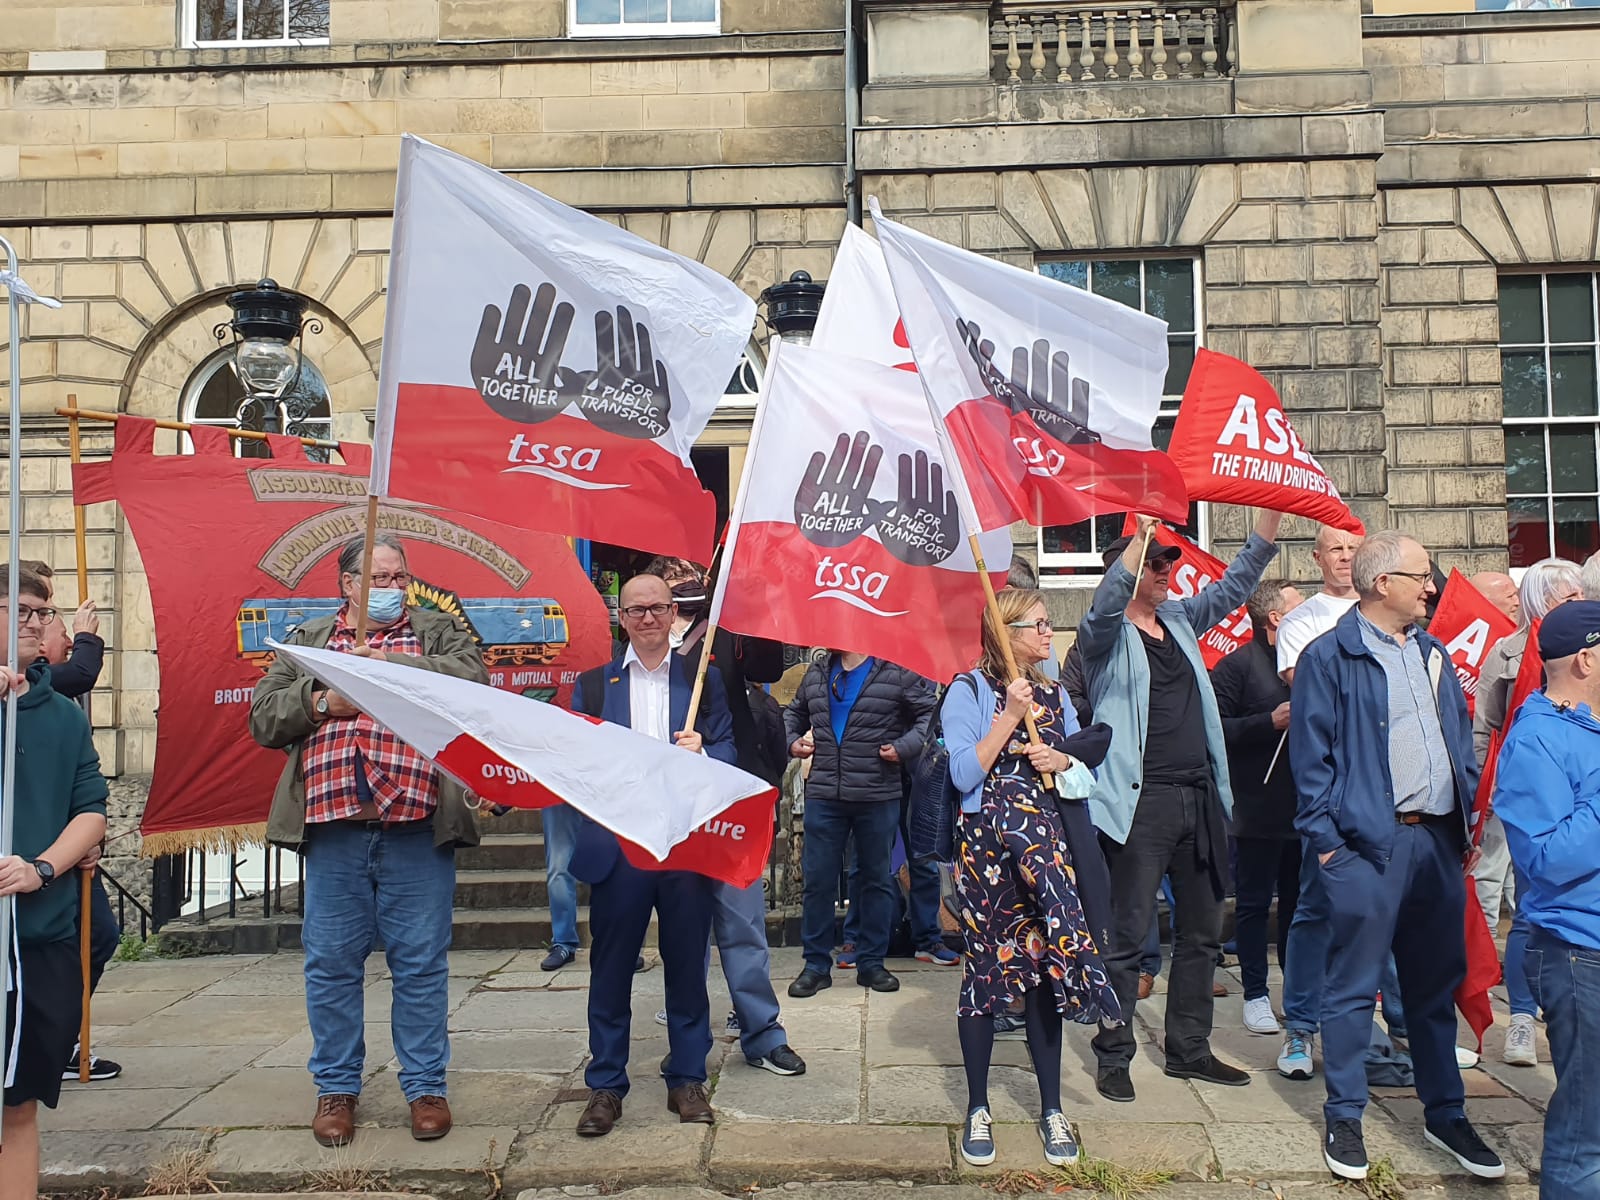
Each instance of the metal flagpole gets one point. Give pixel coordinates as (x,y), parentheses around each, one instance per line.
(8,765)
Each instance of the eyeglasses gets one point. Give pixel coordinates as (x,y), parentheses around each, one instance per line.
(1419,576)
(637,612)
(25,613)
(1042,626)
(399,579)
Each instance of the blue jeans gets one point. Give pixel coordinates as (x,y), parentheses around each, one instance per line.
(921,906)
(1307,967)
(739,927)
(363,883)
(829,824)
(1519,992)
(561,824)
(1566,984)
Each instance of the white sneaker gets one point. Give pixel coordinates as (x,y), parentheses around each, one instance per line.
(1258,1016)
(1521,1050)
(1466,1059)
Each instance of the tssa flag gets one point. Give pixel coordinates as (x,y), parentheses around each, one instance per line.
(847,533)
(545,368)
(1233,443)
(704,815)
(1468,624)
(1048,393)
(1194,571)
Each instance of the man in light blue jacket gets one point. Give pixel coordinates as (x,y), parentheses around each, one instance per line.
(1162,793)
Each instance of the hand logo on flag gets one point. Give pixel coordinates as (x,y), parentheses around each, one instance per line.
(516,363)
(831,506)
(921,526)
(1041,386)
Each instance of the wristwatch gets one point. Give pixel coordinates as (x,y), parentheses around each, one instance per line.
(322,704)
(47,873)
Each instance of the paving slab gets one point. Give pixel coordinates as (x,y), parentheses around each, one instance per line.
(175,974)
(170,1066)
(1268,1097)
(73,1161)
(216,1021)
(477,963)
(837,1027)
(747,1152)
(1184,1149)
(1160,1099)
(907,1031)
(829,1091)
(523,981)
(255,1097)
(278,1159)
(547,1009)
(296,1051)
(1485,1110)
(1525,1142)
(110,1008)
(84,1107)
(517,1050)
(632,1153)
(1276,1152)
(1534,1084)
(938,1095)
(476,1098)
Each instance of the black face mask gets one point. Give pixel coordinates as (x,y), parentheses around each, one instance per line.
(690,598)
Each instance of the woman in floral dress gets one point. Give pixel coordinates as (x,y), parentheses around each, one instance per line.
(1026,936)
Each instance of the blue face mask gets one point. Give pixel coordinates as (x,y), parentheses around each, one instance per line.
(385,604)
(1076,782)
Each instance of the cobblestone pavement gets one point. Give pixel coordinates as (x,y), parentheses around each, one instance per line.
(214,1051)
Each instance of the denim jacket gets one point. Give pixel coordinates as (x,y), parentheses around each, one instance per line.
(1119,677)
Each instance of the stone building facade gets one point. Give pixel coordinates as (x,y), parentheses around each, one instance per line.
(1344,195)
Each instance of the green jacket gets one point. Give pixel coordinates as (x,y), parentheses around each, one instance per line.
(281,718)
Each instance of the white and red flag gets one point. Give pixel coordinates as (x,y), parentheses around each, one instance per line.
(1468,623)
(703,815)
(1049,393)
(847,531)
(544,368)
(1234,443)
(860,316)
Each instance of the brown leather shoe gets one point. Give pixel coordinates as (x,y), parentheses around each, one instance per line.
(1147,983)
(335,1122)
(430,1118)
(691,1104)
(1218,988)
(602,1112)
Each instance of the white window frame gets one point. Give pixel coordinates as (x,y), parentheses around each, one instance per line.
(1552,492)
(191,30)
(1088,567)
(624,29)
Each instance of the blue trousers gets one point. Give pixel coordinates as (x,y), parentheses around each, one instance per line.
(1305,970)
(829,824)
(1519,989)
(921,906)
(1413,908)
(739,924)
(619,916)
(1566,983)
(365,882)
(561,824)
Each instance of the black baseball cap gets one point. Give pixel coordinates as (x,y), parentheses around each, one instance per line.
(1158,552)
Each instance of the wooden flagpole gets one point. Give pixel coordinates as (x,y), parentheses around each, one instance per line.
(993,603)
(1144,553)
(81,537)
(243,435)
(366,570)
(705,642)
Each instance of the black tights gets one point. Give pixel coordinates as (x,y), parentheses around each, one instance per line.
(1044,1047)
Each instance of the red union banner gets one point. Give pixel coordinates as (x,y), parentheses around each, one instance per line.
(1195,570)
(1233,443)
(272,530)
(1468,624)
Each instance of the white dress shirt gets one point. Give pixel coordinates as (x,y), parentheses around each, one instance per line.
(650,696)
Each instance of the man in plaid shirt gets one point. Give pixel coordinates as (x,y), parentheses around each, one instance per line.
(378,828)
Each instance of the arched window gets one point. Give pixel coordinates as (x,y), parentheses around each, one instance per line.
(213,396)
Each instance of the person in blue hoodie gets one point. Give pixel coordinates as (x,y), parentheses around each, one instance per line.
(1547,793)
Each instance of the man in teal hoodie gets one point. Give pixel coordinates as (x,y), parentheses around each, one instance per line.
(1547,793)
(59,816)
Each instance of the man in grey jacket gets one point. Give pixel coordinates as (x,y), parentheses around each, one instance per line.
(1162,792)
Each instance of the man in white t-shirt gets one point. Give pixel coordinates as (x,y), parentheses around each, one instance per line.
(1308,935)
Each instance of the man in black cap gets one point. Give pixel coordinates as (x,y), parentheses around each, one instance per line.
(1547,792)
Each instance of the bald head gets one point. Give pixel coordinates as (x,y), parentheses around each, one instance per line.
(646,609)
(1500,590)
(1334,551)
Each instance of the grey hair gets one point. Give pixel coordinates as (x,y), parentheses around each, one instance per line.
(1021,575)
(1545,583)
(1379,555)
(350,557)
(1267,598)
(1590,577)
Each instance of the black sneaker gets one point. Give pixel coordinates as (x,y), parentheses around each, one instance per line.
(1208,1070)
(558,957)
(1114,1083)
(782,1061)
(1008,1028)
(1345,1151)
(1457,1136)
(879,979)
(99,1068)
(809,983)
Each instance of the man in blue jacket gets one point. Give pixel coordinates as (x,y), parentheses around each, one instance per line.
(1162,791)
(1385,774)
(1547,792)
(647,690)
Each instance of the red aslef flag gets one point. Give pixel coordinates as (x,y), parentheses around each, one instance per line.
(1195,569)
(1233,443)
(1468,624)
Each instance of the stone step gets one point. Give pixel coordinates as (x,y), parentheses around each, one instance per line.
(503,852)
(517,820)
(486,890)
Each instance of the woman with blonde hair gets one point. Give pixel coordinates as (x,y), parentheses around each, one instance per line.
(1023,916)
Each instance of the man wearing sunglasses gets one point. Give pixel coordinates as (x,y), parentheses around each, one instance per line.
(1161,795)
(858,719)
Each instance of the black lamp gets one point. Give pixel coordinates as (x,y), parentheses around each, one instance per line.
(268,330)
(792,306)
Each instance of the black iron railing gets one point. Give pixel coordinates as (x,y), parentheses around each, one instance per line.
(126,899)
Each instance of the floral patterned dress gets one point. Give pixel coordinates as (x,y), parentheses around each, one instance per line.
(1019,900)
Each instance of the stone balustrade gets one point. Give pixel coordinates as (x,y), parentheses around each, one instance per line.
(1074,42)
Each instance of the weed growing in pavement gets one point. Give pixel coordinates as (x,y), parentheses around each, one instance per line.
(185,1172)
(343,1172)
(1382,1183)
(1110,1179)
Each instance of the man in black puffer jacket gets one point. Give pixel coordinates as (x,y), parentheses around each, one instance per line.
(859,719)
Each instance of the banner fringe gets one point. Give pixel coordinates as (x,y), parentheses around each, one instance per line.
(215,840)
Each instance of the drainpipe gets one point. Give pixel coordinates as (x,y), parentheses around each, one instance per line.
(852,114)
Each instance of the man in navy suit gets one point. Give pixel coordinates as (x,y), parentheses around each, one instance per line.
(647,689)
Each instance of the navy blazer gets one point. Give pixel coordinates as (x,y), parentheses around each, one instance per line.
(597,851)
